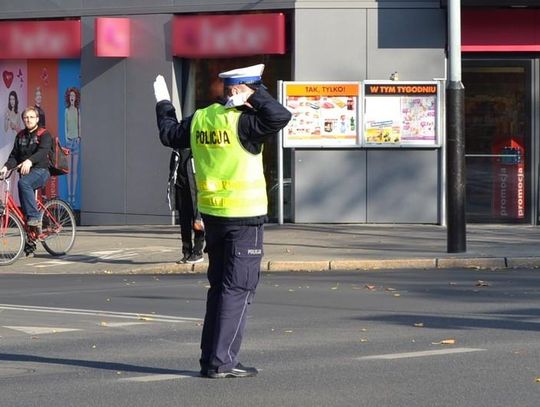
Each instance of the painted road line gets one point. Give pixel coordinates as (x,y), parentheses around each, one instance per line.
(154,378)
(40,330)
(391,356)
(99,313)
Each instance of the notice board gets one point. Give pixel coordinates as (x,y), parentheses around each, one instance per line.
(401,114)
(324,114)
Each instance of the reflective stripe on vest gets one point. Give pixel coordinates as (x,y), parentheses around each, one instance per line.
(230,180)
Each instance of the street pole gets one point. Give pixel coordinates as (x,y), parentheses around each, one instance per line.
(455,136)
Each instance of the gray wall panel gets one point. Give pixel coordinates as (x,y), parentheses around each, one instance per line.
(409,41)
(330,44)
(402,186)
(125,166)
(331,186)
(12,9)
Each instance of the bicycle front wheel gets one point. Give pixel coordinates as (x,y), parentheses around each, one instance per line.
(12,239)
(58,227)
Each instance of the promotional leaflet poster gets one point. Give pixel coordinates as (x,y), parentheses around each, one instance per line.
(53,86)
(323,114)
(402,114)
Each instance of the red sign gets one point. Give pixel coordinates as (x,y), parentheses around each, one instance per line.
(500,30)
(112,37)
(40,39)
(228,35)
(509,180)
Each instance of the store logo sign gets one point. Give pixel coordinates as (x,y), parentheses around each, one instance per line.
(40,39)
(228,35)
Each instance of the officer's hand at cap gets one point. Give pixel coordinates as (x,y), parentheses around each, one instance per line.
(160,89)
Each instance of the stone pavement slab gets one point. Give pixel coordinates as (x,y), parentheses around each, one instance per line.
(302,247)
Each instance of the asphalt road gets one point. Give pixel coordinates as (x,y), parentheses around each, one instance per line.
(384,338)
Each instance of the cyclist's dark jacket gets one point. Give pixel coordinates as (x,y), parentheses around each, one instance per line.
(30,146)
(255,126)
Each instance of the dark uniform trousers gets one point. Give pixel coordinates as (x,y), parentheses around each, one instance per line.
(234,255)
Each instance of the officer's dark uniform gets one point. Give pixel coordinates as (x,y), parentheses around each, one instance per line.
(234,244)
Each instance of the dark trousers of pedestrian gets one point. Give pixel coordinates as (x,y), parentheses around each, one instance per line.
(234,255)
(192,240)
(27,185)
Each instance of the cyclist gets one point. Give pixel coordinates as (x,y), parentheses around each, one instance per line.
(30,155)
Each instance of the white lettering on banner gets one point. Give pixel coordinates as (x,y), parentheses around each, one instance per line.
(502,177)
(39,41)
(232,38)
(521,191)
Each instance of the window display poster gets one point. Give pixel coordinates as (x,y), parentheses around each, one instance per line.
(53,86)
(323,114)
(400,114)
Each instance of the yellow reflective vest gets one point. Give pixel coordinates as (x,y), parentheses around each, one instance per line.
(230,180)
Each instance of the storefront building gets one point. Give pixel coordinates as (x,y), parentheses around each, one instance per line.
(92,67)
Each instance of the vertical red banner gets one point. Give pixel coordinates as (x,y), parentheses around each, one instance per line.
(43,92)
(509,180)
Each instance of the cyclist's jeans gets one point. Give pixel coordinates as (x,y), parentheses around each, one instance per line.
(27,185)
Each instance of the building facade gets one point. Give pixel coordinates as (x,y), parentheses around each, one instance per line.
(96,91)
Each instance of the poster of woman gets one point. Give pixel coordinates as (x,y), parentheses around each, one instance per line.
(13,87)
(72,98)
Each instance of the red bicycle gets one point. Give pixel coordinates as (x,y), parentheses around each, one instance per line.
(57,232)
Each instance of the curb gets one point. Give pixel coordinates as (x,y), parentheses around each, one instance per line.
(479,263)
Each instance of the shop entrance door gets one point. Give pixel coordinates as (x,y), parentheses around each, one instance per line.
(498,140)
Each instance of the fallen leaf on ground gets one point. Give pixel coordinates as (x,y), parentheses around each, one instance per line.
(390,289)
(445,342)
(537,380)
(481,283)
(103,323)
(291,290)
(419,325)
(288,331)
(363,340)
(397,295)
(370,287)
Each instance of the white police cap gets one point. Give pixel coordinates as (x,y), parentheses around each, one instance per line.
(248,75)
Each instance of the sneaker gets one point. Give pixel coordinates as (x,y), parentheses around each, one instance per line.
(195,258)
(184,259)
(238,371)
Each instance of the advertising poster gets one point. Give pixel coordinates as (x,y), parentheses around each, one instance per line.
(53,86)
(401,114)
(69,131)
(324,114)
(13,90)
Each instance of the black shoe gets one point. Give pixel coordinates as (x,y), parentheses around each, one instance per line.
(238,371)
(29,249)
(196,257)
(184,259)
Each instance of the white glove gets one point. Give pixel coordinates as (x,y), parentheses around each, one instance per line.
(160,89)
(237,100)
(3,172)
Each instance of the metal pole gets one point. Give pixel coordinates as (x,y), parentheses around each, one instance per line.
(455,137)
(280,162)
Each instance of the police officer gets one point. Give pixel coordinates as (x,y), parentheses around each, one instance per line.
(227,140)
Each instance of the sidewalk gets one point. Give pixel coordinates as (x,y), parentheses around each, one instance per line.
(298,247)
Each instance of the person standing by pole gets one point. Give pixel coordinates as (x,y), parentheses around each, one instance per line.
(183,197)
(227,140)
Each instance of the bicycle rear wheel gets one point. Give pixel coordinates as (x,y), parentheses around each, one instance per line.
(12,239)
(58,227)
